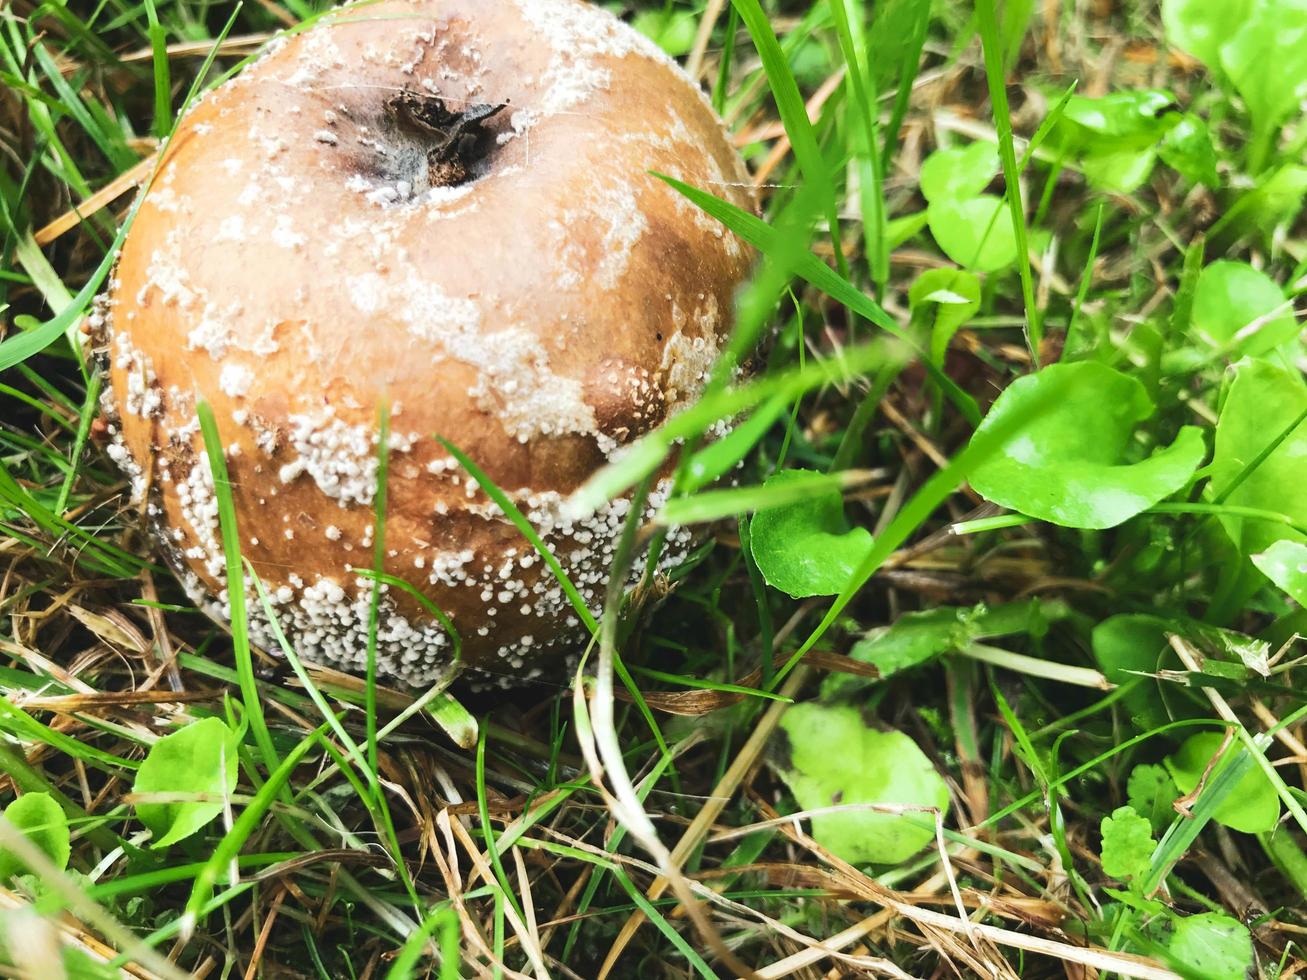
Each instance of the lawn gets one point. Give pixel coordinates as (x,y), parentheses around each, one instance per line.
(984,657)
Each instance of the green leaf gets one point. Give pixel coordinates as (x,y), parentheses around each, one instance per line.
(1187,147)
(1127,120)
(790,105)
(1260,403)
(1119,172)
(721,455)
(1200,27)
(198,759)
(954,297)
(1128,844)
(1239,308)
(671,30)
(1151,791)
(1213,946)
(1131,644)
(957,174)
(1266,59)
(807,548)
(1070,464)
(914,638)
(44,823)
(1285,564)
(973,232)
(834,758)
(1115,137)
(1275,200)
(1253,807)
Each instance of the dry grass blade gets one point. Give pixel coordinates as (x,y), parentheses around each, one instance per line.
(721,794)
(1125,964)
(701,702)
(106,195)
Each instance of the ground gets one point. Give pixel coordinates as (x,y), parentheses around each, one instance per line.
(933,695)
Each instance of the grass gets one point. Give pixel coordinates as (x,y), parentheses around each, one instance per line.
(640,818)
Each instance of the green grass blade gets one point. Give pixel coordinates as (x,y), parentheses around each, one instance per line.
(794,116)
(231,548)
(243,828)
(909,66)
(866,143)
(378,566)
(807,266)
(995,74)
(923,503)
(523,525)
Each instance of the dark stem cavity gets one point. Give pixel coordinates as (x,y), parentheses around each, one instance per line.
(458,140)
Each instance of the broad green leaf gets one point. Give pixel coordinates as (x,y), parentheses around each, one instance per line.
(43,822)
(1119,172)
(1200,27)
(1213,946)
(958,174)
(1115,137)
(1128,120)
(949,297)
(1253,807)
(1070,466)
(974,232)
(199,759)
(916,638)
(1266,59)
(1128,844)
(1241,309)
(1187,147)
(834,758)
(1127,646)
(1285,564)
(1151,791)
(1260,403)
(807,548)
(1275,200)
(672,30)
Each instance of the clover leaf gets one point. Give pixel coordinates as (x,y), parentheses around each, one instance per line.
(1070,465)
(835,758)
(1262,403)
(43,822)
(807,548)
(199,759)
(955,174)
(974,232)
(946,299)
(1253,807)
(1241,308)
